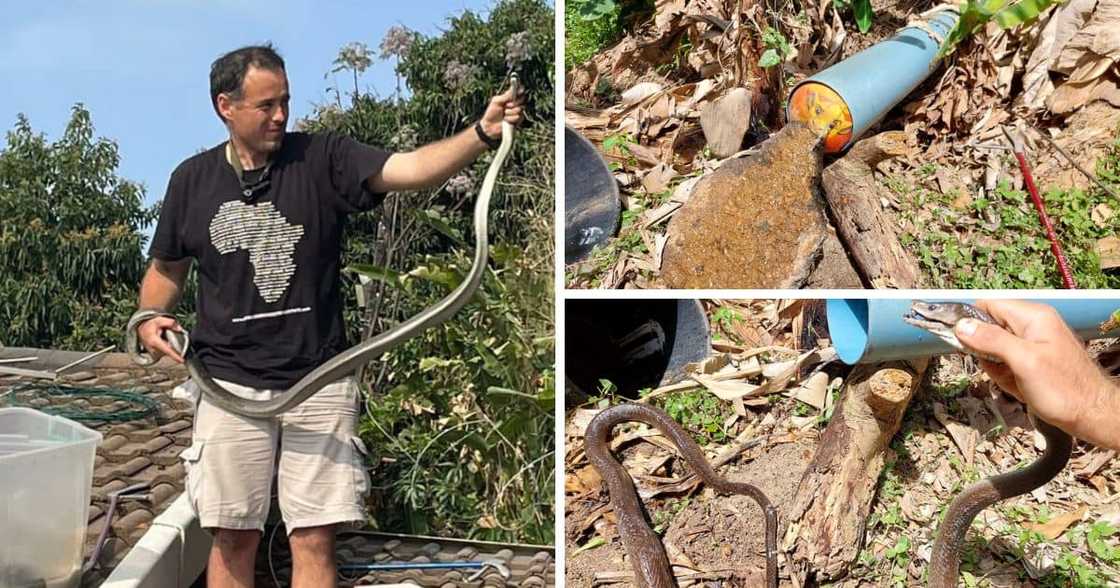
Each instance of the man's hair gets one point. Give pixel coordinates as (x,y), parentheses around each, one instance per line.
(227,73)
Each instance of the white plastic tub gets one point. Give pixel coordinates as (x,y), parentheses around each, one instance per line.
(46,472)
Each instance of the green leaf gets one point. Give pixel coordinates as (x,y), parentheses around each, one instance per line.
(769,58)
(596,542)
(863,13)
(437,221)
(596,9)
(901,547)
(437,274)
(1022,12)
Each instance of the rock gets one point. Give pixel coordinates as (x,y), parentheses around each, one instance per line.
(756,222)
(725,121)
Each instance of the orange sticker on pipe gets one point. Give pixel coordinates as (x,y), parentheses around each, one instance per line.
(824,111)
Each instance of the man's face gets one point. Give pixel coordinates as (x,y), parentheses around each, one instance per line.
(260,117)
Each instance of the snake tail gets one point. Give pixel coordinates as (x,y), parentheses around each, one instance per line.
(647,554)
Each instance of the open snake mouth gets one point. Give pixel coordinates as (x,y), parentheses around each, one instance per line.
(936,318)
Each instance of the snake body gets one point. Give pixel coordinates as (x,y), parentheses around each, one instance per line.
(647,554)
(939,318)
(353,358)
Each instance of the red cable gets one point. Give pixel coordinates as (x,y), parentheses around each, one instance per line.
(1055,247)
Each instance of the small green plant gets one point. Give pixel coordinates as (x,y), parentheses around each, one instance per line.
(663,517)
(726,317)
(952,389)
(997,241)
(861,11)
(698,411)
(777,48)
(618,141)
(1071,570)
(589,25)
(977,13)
(1097,540)
(900,553)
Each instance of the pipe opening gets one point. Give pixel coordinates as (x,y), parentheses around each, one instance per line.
(847,325)
(635,344)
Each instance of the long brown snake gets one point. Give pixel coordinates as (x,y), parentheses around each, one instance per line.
(644,547)
(939,318)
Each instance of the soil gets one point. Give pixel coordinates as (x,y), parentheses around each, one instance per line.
(719,534)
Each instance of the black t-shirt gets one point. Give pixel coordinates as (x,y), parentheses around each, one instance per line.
(269,306)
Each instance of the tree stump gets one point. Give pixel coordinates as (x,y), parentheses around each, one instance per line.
(826,523)
(863,226)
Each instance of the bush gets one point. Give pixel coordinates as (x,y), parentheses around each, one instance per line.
(461,417)
(70,241)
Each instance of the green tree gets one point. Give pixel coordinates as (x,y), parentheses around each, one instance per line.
(70,239)
(461,418)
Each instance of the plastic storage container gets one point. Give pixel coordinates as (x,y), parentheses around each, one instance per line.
(46,472)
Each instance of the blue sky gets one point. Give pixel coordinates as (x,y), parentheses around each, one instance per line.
(141,67)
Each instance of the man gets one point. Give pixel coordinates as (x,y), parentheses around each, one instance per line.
(1046,366)
(263,215)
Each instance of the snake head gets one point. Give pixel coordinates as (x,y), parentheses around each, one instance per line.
(939,318)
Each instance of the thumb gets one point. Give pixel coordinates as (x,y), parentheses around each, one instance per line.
(989,339)
(504,96)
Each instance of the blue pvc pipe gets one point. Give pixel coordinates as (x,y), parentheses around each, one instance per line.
(872,331)
(874,80)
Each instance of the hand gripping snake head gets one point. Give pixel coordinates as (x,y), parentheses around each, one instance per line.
(939,318)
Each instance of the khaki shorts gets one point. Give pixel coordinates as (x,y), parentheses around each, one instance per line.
(312,449)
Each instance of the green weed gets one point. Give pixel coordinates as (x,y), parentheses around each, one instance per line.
(998,241)
(698,411)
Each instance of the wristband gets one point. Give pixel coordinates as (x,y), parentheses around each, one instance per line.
(491,142)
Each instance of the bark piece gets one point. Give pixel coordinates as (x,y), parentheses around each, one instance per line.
(826,522)
(866,230)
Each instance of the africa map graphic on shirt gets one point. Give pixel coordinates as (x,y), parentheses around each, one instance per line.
(268,237)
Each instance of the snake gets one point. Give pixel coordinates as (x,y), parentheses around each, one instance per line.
(360,354)
(939,319)
(647,554)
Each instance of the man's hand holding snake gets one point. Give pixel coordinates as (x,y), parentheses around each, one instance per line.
(1047,367)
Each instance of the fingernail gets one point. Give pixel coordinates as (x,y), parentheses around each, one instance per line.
(966,326)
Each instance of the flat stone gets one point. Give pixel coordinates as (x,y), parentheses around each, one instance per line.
(756,222)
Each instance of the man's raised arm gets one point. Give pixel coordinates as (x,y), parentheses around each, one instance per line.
(431,165)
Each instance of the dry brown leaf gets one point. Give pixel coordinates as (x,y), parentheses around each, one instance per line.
(790,307)
(582,481)
(1108,249)
(1071,96)
(1100,35)
(725,121)
(640,91)
(963,436)
(913,510)
(813,391)
(1100,214)
(578,422)
(726,389)
(657,178)
(1090,464)
(1057,525)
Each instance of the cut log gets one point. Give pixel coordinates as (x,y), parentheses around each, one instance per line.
(826,523)
(867,230)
